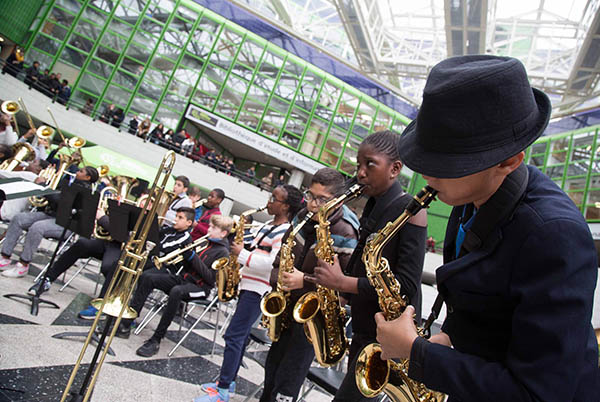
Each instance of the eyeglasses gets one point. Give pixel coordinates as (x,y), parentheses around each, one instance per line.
(308,196)
(272,198)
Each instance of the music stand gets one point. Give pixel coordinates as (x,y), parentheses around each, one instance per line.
(123,217)
(76,212)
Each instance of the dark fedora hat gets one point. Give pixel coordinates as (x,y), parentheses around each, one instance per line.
(477,111)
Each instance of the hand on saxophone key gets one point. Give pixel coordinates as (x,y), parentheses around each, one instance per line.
(328,275)
(292,280)
(235,248)
(397,336)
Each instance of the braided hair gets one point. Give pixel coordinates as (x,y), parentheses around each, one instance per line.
(385,142)
(295,200)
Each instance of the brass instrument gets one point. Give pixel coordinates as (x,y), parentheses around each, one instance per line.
(106,194)
(103,170)
(23,152)
(228,268)
(320,311)
(44,132)
(273,305)
(123,184)
(11,108)
(65,162)
(374,375)
(27,115)
(116,302)
(199,203)
(164,203)
(176,256)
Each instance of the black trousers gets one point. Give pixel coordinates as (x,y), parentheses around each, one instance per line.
(287,364)
(108,252)
(175,286)
(348,391)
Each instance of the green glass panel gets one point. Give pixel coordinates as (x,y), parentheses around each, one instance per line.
(296,122)
(72,5)
(383,121)
(87,29)
(398,126)
(242,71)
(273,62)
(353,142)
(338,135)
(280,105)
(307,95)
(167,50)
(328,100)
(537,160)
(184,12)
(34,55)
(61,16)
(160,6)
(151,26)
(123,29)
(270,124)
(105,5)
(188,70)
(225,48)
(258,94)
(99,68)
(174,102)
(54,30)
(216,74)
(147,39)
(250,114)
(46,44)
(94,15)
(117,95)
(539,148)
(157,77)
(345,111)
(180,89)
(168,117)
(200,44)
(150,90)
(163,64)
(73,56)
(205,99)
(348,167)
(364,119)
(266,83)
(143,106)
(107,54)
(78,98)
(132,66)
(329,158)
(250,53)
(316,132)
(289,140)
(226,109)
(125,80)
(178,32)
(92,84)
(80,42)
(138,52)
(286,87)
(555,172)
(128,12)
(593,196)
(113,41)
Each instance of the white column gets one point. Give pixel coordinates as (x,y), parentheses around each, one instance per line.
(226,206)
(296,178)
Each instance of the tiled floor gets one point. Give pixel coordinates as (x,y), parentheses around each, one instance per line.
(34,366)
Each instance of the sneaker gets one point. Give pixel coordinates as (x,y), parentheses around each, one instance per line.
(214,396)
(88,313)
(17,271)
(149,348)
(123,331)
(39,288)
(212,386)
(5,263)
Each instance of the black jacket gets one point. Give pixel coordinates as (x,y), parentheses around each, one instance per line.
(197,267)
(405,253)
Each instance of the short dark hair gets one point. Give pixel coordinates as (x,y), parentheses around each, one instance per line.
(184,180)
(189,213)
(43,163)
(193,190)
(330,178)
(220,193)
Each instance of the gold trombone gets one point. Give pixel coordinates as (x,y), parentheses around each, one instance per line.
(176,256)
(116,301)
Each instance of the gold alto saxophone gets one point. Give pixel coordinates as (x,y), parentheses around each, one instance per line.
(320,311)
(374,375)
(273,305)
(115,303)
(228,268)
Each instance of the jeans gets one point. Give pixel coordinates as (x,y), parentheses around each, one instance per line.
(39,225)
(236,336)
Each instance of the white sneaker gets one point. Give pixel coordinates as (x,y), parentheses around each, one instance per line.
(5,264)
(19,270)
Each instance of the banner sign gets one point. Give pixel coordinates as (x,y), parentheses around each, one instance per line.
(254,140)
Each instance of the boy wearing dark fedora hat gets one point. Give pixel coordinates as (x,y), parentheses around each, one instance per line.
(520,264)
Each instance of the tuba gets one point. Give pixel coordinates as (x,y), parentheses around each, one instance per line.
(374,375)
(320,311)
(228,268)
(116,301)
(273,305)
(106,194)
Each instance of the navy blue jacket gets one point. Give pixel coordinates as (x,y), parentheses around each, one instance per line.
(519,305)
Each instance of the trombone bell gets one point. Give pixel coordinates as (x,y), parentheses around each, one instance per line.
(44,132)
(103,170)
(10,107)
(76,142)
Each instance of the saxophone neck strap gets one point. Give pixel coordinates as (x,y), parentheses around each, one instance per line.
(435,312)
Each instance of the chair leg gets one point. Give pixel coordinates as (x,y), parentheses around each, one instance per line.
(189,331)
(151,314)
(253,394)
(308,391)
(212,352)
(60,250)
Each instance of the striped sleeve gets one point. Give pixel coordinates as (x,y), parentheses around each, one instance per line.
(260,261)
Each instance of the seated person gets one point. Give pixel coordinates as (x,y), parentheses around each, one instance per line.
(180,188)
(195,280)
(210,208)
(39,225)
(195,196)
(10,208)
